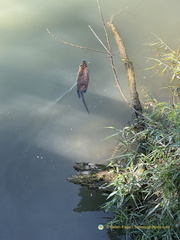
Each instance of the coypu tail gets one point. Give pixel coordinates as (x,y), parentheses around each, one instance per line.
(81,94)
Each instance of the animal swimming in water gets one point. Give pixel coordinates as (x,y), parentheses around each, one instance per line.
(82,81)
(81,84)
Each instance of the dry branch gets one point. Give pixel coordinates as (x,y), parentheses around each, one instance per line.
(111,57)
(74,45)
(129,69)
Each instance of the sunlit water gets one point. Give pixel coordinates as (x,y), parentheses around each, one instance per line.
(40,143)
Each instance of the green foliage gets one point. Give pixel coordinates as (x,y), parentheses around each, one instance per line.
(147,191)
(167,61)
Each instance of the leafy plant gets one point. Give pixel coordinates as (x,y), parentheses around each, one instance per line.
(167,61)
(146,191)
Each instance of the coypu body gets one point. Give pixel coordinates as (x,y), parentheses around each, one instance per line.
(82,81)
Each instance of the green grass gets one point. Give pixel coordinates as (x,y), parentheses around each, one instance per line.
(146,194)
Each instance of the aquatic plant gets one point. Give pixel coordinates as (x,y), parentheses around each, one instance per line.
(167,61)
(146,193)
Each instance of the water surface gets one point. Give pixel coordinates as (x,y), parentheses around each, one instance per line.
(39,145)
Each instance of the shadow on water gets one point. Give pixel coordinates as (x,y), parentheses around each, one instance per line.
(90,200)
(93,201)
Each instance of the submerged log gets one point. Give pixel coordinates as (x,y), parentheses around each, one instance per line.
(93,176)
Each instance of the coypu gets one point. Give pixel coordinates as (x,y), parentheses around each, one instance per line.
(82,81)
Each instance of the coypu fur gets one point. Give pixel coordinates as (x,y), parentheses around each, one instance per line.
(82,81)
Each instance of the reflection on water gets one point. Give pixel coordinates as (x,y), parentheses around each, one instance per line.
(90,200)
(39,144)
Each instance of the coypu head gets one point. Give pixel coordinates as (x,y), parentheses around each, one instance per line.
(83,64)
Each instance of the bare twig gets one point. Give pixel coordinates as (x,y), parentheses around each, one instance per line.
(74,45)
(104,26)
(108,52)
(111,57)
(99,39)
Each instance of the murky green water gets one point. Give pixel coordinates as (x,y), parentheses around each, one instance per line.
(40,144)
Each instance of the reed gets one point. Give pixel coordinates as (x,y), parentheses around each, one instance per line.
(146,194)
